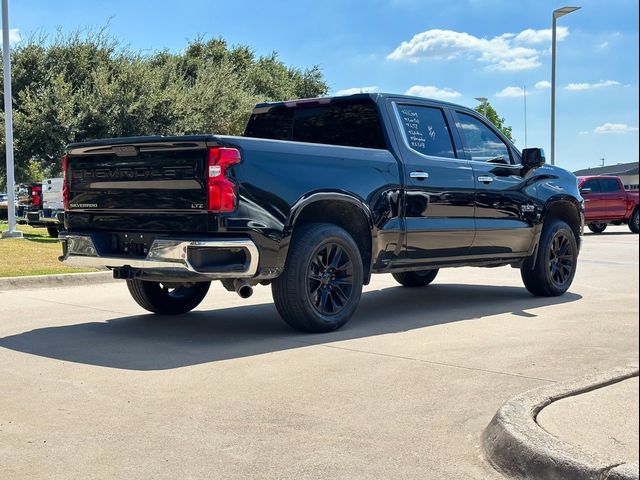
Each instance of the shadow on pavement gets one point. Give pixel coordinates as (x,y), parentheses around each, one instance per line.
(608,234)
(153,342)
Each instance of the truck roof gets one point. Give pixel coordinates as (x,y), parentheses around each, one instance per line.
(357,96)
(376,97)
(589,177)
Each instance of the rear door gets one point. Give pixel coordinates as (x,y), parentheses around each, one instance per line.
(614,197)
(502,201)
(438,200)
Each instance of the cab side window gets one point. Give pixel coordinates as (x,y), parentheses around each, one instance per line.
(426,130)
(481,142)
(594,185)
(609,185)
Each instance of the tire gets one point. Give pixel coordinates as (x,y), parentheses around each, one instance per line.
(597,227)
(158,298)
(53,232)
(556,261)
(419,278)
(633,221)
(321,285)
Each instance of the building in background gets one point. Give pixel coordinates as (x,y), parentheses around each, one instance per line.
(628,172)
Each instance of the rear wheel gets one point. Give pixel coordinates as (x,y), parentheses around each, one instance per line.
(419,278)
(633,222)
(597,227)
(321,285)
(167,298)
(556,261)
(53,232)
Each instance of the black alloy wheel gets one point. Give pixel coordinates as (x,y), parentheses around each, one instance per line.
(634,222)
(597,227)
(321,285)
(330,279)
(167,298)
(550,272)
(561,259)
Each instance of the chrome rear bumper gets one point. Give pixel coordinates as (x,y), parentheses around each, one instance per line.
(164,256)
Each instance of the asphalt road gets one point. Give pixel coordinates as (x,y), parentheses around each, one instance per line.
(93,387)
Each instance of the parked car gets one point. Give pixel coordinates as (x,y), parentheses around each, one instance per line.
(315,197)
(4,205)
(607,202)
(52,214)
(29,203)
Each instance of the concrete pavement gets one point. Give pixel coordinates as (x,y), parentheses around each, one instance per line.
(93,387)
(603,421)
(557,431)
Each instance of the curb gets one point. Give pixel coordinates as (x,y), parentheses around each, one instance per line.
(61,280)
(517,446)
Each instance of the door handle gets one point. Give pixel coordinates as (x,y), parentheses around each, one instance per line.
(485,179)
(419,175)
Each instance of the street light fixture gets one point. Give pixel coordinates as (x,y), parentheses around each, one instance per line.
(560,12)
(484,101)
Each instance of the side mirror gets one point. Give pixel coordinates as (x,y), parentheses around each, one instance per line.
(532,158)
(585,191)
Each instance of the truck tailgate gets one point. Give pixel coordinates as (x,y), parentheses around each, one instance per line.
(132,184)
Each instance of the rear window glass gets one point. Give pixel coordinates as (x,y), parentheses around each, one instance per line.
(609,185)
(426,130)
(351,124)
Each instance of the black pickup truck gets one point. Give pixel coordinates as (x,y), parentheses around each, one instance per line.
(317,195)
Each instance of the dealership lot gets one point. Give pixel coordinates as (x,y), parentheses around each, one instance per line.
(93,387)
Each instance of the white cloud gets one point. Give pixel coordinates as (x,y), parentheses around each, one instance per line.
(354,90)
(432,92)
(14,36)
(583,132)
(510,92)
(511,52)
(532,36)
(589,86)
(615,128)
(543,84)
(603,45)
(516,64)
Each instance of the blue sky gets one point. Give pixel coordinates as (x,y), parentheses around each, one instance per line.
(455,49)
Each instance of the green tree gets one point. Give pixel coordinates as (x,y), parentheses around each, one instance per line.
(496,119)
(84,85)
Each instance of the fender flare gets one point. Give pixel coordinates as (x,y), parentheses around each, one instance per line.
(555,200)
(335,195)
(315,197)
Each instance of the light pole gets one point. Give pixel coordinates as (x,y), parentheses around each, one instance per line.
(524,89)
(484,101)
(556,14)
(8,124)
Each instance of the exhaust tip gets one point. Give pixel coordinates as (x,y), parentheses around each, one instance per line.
(243,288)
(245,291)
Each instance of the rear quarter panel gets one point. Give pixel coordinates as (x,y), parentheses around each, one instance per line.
(276,178)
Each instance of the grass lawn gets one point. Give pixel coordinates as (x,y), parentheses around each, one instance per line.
(35,254)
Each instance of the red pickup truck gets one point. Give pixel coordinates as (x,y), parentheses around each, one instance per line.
(606,201)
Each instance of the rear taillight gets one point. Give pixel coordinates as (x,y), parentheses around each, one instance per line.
(65,181)
(222,192)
